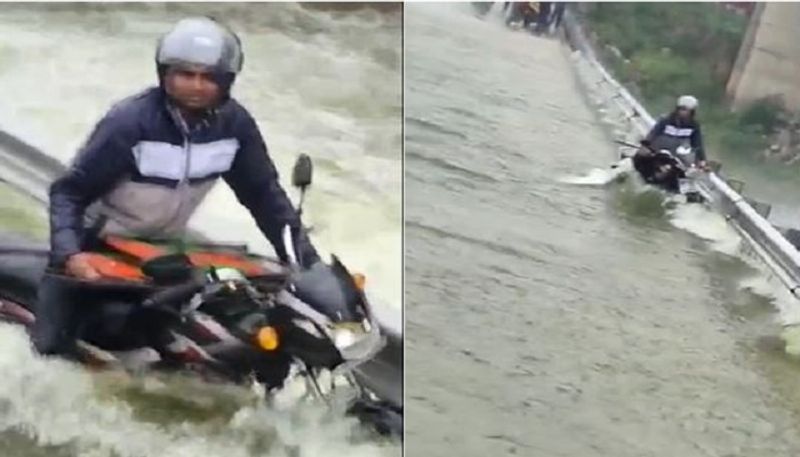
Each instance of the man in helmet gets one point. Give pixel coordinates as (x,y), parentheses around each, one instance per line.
(679,128)
(150,162)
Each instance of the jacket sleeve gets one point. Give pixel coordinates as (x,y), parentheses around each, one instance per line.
(697,143)
(657,130)
(102,161)
(254,180)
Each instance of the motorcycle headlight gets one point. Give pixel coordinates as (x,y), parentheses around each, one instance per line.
(343,338)
(357,342)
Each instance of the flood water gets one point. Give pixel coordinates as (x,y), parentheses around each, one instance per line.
(550,318)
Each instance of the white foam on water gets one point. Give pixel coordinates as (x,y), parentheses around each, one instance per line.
(599,176)
(791,337)
(57,403)
(708,225)
(712,227)
(766,285)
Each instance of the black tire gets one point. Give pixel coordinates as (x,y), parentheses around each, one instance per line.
(383,417)
(694,197)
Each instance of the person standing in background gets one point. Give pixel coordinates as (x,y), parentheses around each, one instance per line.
(557,16)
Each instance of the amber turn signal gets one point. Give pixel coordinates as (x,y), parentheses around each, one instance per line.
(267,338)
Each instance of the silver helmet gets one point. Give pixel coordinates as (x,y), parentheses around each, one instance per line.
(201,41)
(688,102)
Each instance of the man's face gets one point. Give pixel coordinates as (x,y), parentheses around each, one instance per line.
(192,87)
(684,113)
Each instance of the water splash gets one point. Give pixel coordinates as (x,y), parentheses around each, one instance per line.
(59,404)
(706,224)
(600,176)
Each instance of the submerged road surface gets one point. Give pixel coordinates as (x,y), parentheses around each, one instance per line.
(545,318)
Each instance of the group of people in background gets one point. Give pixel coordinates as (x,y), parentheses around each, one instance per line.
(538,17)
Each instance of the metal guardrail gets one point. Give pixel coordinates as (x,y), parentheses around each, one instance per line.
(26,168)
(769,244)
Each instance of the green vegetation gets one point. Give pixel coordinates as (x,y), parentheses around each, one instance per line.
(22,215)
(662,50)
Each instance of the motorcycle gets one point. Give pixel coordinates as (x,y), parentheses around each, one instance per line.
(526,14)
(672,171)
(220,311)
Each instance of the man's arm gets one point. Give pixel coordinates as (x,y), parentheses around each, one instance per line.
(254,180)
(104,159)
(657,130)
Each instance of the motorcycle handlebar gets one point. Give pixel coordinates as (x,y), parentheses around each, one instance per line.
(174,294)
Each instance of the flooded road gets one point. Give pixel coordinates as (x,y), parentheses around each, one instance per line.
(548,318)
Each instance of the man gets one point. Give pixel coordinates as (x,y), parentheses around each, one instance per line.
(543,18)
(525,12)
(558,15)
(151,161)
(679,128)
(674,132)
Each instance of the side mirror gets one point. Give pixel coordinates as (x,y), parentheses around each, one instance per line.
(302,172)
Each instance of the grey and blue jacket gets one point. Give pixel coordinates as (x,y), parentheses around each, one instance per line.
(670,132)
(145,172)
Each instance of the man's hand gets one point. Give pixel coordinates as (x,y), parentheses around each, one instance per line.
(646,149)
(78,265)
(702,165)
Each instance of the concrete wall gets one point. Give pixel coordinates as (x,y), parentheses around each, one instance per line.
(769,59)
